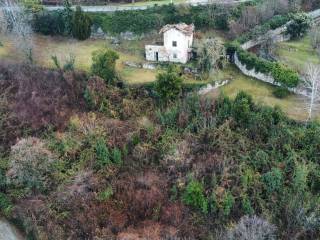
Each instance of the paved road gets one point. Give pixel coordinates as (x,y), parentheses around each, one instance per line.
(111,8)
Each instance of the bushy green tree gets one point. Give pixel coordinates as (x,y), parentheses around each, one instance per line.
(81,24)
(242,108)
(227,203)
(168,85)
(49,23)
(195,197)
(102,153)
(246,205)
(211,55)
(299,25)
(273,180)
(116,156)
(67,15)
(104,64)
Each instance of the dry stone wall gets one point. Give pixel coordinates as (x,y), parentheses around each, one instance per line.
(277,35)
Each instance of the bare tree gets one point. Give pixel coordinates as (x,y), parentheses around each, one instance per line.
(211,55)
(249,228)
(295,5)
(311,82)
(315,37)
(14,21)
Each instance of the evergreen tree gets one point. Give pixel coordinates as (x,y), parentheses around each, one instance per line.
(67,15)
(81,24)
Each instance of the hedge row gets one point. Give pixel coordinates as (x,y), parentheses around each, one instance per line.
(143,21)
(282,75)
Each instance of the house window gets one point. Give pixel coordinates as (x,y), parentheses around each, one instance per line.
(174,43)
(174,55)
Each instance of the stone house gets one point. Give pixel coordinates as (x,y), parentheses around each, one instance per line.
(176,46)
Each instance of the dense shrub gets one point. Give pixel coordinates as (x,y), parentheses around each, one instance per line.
(153,18)
(104,64)
(54,22)
(31,165)
(227,203)
(49,23)
(273,180)
(168,85)
(116,156)
(299,25)
(194,196)
(267,150)
(5,204)
(102,153)
(95,94)
(281,74)
(81,24)
(280,92)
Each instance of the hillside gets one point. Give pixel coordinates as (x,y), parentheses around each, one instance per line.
(97,143)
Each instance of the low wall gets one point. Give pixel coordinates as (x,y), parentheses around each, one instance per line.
(252,73)
(209,87)
(264,77)
(277,35)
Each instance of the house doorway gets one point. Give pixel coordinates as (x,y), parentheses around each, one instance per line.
(157,56)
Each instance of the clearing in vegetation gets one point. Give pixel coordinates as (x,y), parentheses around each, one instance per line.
(297,53)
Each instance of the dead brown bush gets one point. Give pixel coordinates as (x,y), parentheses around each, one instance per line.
(40,97)
(143,194)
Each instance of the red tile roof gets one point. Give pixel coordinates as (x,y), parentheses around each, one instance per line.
(182,27)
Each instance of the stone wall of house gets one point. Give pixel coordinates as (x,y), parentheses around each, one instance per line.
(178,53)
(151,51)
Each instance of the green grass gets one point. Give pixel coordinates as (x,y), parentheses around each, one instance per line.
(297,54)
(293,105)
(133,51)
(138,76)
(47,46)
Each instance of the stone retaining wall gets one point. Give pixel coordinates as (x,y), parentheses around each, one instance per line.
(264,77)
(277,35)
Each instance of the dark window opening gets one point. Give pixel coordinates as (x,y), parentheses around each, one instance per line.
(174,43)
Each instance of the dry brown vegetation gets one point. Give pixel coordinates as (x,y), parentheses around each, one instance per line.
(35,97)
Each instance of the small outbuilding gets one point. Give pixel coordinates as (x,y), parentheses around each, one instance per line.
(176,47)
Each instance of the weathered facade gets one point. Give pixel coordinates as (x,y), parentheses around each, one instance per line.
(177,43)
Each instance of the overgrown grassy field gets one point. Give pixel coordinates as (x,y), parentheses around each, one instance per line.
(63,48)
(46,47)
(297,53)
(293,105)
